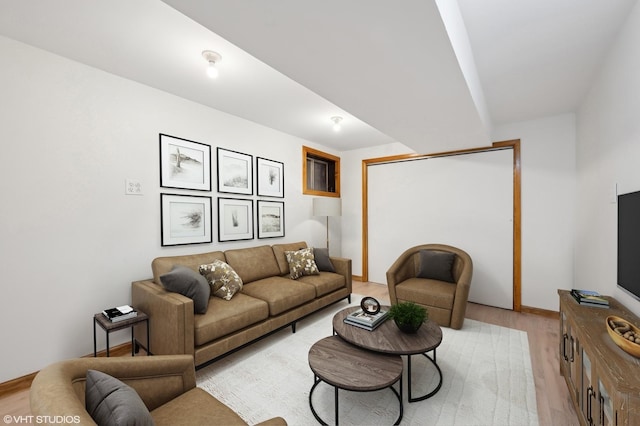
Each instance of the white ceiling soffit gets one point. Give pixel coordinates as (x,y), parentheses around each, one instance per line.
(150,42)
(539,58)
(390,64)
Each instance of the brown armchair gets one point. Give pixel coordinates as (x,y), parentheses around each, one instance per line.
(445,301)
(166,385)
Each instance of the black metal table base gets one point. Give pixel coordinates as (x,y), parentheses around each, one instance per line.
(135,345)
(317,380)
(434,391)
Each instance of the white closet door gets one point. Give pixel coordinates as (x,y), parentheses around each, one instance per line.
(462,200)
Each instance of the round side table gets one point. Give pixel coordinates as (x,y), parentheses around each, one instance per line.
(345,366)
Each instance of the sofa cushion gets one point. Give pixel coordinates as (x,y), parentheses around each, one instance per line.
(301,262)
(253,263)
(224,281)
(225,317)
(111,402)
(163,265)
(281,294)
(278,251)
(321,256)
(436,265)
(195,407)
(189,283)
(440,294)
(325,282)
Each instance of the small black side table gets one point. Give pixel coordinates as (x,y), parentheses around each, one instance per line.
(109,326)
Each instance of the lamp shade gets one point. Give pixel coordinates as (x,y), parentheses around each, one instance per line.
(327,206)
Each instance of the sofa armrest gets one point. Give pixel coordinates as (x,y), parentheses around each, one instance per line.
(171,318)
(58,390)
(343,267)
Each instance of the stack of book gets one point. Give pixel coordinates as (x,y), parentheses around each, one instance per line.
(364,320)
(589,298)
(120,313)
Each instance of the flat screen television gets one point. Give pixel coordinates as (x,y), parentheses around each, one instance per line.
(629,243)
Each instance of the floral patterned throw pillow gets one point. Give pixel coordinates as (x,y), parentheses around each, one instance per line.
(301,262)
(224,281)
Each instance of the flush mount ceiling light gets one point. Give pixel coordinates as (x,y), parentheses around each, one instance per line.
(212,58)
(336,123)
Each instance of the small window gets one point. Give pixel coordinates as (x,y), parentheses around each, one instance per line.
(321,173)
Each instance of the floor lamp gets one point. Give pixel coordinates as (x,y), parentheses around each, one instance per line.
(327,206)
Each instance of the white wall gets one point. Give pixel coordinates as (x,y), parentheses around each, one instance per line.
(351,192)
(547,152)
(71,240)
(608,133)
(462,200)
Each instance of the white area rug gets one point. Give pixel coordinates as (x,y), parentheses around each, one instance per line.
(487,380)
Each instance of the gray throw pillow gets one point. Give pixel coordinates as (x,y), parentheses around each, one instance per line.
(112,403)
(321,256)
(436,265)
(189,283)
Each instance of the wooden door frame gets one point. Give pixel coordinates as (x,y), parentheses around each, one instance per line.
(517,231)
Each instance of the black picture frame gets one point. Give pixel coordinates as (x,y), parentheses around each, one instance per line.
(184,164)
(235,172)
(269,178)
(185,219)
(270,219)
(235,219)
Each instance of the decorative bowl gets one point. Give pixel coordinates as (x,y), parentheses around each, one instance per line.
(626,345)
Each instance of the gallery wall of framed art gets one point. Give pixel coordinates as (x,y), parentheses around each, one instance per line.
(189,218)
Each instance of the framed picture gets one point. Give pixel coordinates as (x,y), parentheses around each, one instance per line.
(235,219)
(184,164)
(186,219)
(270,219)
(270,177)
(235,172)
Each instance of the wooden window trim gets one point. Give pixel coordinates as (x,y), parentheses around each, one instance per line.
(306,151)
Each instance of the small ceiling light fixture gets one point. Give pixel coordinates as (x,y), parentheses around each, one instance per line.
(212,58)
(336,123)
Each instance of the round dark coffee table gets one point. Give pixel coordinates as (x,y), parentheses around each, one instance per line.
(345,366)
(388,339)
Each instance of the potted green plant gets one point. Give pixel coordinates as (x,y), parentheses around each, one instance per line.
(408,316)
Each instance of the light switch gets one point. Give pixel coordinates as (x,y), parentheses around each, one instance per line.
(133,187)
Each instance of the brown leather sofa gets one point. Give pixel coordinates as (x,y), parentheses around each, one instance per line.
(269,300)
(166,385)
(445,301)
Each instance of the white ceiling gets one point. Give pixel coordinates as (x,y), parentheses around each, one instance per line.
(388,68)
(539,57)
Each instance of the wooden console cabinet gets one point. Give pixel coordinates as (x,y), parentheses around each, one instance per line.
(603,380)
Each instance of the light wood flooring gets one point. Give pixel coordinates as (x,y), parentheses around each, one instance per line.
(554,404)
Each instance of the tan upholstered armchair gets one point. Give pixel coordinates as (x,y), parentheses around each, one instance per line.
(166,385)
(435,276)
